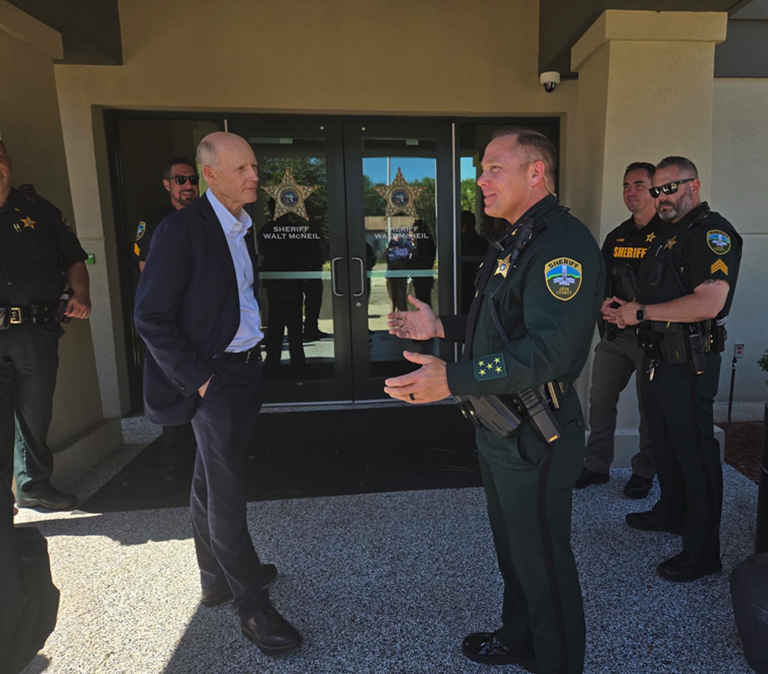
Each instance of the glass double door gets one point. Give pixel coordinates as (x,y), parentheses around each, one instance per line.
(351,219)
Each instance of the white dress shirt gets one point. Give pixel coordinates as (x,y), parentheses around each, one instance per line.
(249,333)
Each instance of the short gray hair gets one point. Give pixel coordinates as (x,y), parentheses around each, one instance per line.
(685,165)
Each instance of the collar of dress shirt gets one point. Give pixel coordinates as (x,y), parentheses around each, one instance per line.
(232,226)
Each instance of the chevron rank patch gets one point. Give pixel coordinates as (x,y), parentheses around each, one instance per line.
(141,229)
(563,277)
(136,249)
(718,241)
(489,367)
(719,265)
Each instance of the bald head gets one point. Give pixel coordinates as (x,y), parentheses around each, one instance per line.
(230,169)
(211,148)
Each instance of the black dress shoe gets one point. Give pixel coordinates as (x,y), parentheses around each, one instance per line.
(638,487)
(679,571)
(220,593)
(48,497)
(270,631)
(486,648)
(647,522)
(589,477)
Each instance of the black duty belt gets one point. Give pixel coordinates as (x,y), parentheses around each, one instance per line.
(239,356)
(34,314)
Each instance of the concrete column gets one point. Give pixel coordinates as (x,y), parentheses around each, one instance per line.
(30,126)
(646,82)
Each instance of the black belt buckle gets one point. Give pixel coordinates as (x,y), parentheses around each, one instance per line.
(17,315)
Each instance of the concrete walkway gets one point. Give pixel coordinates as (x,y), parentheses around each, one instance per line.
(380,584)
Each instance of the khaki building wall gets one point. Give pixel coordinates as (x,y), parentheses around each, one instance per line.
(739,189)
(31,128)
(296,56)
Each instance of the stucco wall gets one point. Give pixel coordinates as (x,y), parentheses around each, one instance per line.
(31,129)
(739,189)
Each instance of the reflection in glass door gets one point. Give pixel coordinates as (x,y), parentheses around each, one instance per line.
(400,221)
(300,230)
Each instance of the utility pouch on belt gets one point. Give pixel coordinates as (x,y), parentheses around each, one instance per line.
(496,413)
(676,343)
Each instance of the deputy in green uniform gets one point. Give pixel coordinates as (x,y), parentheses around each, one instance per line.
(39,256)
(180,180)
(529,329)
(686,287)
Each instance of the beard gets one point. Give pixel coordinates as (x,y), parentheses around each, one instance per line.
(675,211)
(187,197)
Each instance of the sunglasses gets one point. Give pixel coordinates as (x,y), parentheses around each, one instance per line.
(181,180)
(669,188)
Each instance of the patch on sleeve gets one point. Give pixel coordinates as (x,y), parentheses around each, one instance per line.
(141,229)
(136,249)
(719,265)
(718,241)
(490,367)
(563,277)
(67,225)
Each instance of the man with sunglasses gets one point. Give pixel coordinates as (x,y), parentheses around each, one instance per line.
(686,288)
(180,179)
(618,354)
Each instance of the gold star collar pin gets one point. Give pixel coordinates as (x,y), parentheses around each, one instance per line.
(28,222)
(502,266)
(289,196)
(400,196)
(670,243)
(650,238)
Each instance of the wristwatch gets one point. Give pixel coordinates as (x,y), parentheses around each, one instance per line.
(641,313)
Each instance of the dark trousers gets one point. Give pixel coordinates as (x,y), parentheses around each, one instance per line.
(422,288)
(223,425)
(615,361)
(678,405)
(284,314)
(178,445)
(29,362)
(398,293)
(528,486)
(313,302)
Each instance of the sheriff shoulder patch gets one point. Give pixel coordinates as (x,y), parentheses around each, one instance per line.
(563,278)
(719,265)
(489,367)
(141,229)
(718,241)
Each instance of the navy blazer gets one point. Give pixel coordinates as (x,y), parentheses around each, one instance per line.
(187,308)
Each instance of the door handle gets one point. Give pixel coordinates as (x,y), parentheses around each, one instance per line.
(333,277)
(362,277)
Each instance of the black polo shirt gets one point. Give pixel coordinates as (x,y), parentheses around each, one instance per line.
(145,229)
(37,247)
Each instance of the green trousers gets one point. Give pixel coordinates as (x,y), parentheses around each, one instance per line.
(529,486)
(29,361)
(678,406)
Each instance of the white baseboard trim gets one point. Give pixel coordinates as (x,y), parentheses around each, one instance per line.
(627,444)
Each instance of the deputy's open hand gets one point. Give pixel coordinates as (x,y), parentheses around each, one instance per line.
(420,324)
(79,306)
(428,384)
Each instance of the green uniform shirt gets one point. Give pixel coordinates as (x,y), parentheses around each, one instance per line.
(145,229)
(702,245)
(37,246)
(548,304)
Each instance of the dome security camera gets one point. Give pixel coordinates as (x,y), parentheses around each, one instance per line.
(549,80)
